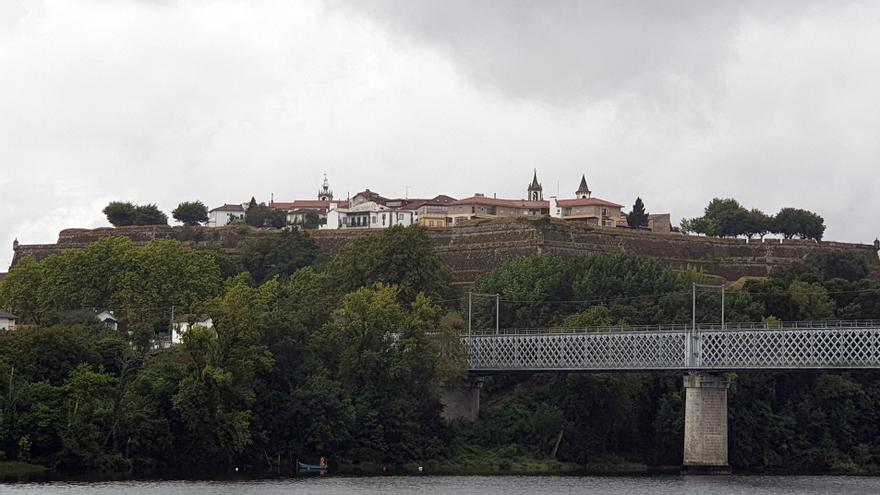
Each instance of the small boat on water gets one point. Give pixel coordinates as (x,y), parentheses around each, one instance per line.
(319,469)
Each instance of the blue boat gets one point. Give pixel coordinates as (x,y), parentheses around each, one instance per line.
(304,469)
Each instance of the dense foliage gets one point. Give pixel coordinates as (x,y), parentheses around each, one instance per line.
(727,218)
(296,364)
(190,213)
(260,215)
(638,217)
(346,358)
(121,214)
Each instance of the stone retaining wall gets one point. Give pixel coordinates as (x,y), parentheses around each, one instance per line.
(472,250)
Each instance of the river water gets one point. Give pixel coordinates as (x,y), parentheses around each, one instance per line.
(461,485)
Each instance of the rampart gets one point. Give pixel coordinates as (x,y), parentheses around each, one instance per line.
(472,250)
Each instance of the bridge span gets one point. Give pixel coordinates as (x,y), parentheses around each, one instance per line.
(735,346)
(702,352)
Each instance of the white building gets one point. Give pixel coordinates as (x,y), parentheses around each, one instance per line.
(224,215)
(108,318)
(368,215)
(7,321)
(185,322)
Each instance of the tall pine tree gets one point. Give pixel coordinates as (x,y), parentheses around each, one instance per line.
(638,217)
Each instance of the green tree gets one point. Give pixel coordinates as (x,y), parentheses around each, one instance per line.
(699,225)
(190,213)
(728,218)
(401,256)
(265,216)
(312,220)
(638,217)
(595,317)
(805,224)
(757,223)
(121,214)
(266,257)
(19,290)
(149,215)
(380,353)
(216,396)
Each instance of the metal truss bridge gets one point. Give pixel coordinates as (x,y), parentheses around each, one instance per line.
(731,347)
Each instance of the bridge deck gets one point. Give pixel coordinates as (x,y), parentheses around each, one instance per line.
(739,346)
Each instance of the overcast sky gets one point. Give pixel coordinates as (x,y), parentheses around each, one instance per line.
(775,104)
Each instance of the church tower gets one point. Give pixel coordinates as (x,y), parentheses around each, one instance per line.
(583,191)
(325,193)
(536,192)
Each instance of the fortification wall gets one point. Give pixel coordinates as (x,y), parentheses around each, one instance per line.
(482,246)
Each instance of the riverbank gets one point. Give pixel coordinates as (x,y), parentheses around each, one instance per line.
(21,471)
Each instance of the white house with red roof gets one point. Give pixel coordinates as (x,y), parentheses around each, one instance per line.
(369,215)
(587,209)
(226,214)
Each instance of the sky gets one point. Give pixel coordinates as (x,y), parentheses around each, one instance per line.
(161,101)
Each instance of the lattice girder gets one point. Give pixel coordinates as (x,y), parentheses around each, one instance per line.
(785,348)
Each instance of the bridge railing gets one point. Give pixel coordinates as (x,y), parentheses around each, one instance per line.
(681,327)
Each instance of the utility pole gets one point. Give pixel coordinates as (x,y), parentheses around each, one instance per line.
(497,313)
(470,311)
(722,306)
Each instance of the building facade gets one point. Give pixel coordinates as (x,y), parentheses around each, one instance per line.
(226,214)
(7,321)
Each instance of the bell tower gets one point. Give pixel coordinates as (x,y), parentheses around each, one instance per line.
(536,192)
(583,191)
(325,193)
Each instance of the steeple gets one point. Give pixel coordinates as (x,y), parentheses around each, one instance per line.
(325,193)
(583,191)
(536,192)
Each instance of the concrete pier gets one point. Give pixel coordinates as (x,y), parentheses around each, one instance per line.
(462,401)
(705,424)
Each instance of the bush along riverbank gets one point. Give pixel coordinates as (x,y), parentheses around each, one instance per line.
(22,471)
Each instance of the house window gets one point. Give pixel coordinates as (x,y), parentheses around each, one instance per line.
(374,218)
(473,209)
(604,212)
(383,219)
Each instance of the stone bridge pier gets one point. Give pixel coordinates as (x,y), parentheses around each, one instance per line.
(461,401)
(705,424)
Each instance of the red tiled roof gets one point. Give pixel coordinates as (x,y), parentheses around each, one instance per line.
(510,203)
(226,207)
(186,318)
(568,203)
(307,204)
(442,198)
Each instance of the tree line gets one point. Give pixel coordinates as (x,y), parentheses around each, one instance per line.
(345,357)
(728,218)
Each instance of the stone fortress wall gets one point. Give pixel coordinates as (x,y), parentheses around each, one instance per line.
(483,245)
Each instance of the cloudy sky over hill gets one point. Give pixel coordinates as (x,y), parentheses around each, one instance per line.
(774,103)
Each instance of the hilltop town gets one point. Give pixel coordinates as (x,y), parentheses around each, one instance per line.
(371,210)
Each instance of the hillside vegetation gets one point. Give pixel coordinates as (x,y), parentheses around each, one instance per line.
(345,356)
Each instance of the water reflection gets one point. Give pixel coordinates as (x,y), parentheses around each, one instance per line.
(462,485)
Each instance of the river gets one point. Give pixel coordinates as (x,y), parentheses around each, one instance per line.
(462,485)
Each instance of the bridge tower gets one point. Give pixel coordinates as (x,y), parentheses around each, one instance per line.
(705,423)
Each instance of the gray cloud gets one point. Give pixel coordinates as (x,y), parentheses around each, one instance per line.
(573,49)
